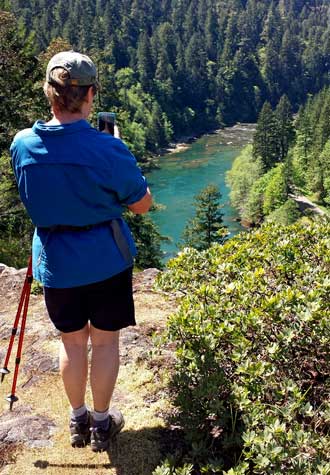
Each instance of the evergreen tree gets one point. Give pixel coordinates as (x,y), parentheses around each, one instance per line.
(290,61)
(272,31)
(286,132)
(322,128)
(18,73)
(145,65)
(230,44)
(304,138)
(272,72)
(147,239)
(190,20)
(212,36)
(156,135)
(111,20)
(250,23)
(266,140)
(206,226)
(323,174)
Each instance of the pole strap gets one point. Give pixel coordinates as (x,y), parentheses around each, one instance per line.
(121,241)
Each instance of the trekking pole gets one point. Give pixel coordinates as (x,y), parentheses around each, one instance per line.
(23,303)
(5,369)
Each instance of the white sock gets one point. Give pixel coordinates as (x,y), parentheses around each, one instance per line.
(100,416)
(77,413)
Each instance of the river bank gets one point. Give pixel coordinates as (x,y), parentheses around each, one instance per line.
(232,134)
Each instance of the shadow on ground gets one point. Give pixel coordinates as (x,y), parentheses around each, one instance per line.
(131,453)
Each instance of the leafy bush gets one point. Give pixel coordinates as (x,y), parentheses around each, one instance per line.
(286,214)
(168,468)
(246,170)
(252,336)
(276,191)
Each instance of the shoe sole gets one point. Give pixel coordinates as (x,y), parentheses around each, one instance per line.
(79,443)
(80,440)
(103,446)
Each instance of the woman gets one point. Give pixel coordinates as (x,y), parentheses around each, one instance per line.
(75,183)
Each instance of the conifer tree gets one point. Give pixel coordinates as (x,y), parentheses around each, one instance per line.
(304,135)
(273,27)
(290,60)
(272,72)
(230,44)
(322,128)
(211,33)
(286,133)
(147,239)
(196,49)
(144,61)
(206,227)
(265,141)
(17,95)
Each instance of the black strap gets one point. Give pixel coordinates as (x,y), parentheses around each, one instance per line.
(67,227)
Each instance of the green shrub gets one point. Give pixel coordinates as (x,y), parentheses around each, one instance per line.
(276,191)
(286,214)
(252,337)
(36,288)
(168,468)
(246,170)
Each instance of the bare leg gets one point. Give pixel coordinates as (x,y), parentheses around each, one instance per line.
(104,366)
(74,365)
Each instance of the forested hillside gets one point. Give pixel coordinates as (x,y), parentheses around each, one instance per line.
(192,64)
(288,157)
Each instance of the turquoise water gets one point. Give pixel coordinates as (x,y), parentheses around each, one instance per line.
(184,174)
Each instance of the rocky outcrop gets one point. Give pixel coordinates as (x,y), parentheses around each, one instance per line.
(24,427)
(11,281)
(144,281)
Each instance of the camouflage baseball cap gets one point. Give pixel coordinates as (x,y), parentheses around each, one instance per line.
(80,67)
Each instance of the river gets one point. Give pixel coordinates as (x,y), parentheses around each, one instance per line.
(183,174)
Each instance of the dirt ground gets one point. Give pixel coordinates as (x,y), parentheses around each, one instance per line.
(34,436)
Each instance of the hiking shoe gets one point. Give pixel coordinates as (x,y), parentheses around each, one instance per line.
(80,434)
(100,438)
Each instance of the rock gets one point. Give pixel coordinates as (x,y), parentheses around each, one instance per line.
(11,284)
(20,426)
(40,362)
(144,281)
(129,336)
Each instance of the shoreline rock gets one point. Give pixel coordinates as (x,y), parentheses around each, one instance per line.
(183,143)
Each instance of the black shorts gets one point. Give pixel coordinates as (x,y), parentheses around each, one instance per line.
(107,305)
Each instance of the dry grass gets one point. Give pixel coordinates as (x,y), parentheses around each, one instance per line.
(137,450)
